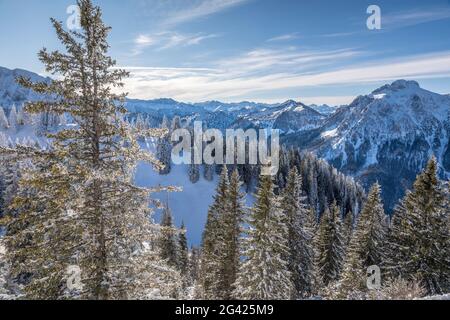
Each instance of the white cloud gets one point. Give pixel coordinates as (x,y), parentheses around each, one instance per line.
(175,39)
(339,34)
(144,40)
(167,39)
(237,79)
(329,100)
(264,61)
(415,17)
(200,9)
(285,37)
(141,42)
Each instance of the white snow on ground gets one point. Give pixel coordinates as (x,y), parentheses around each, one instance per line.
(190,205)
(379,96)
(330,133)
(371,156)
(442,297)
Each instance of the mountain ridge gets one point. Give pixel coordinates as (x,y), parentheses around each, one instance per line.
(387,135)
(7,81)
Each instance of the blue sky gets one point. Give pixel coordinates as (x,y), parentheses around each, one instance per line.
(261,50)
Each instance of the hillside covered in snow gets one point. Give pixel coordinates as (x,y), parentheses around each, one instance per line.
(386,136)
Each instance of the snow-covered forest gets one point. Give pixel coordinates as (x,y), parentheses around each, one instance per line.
(75,224)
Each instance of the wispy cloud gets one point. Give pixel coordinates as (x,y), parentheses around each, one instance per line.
(144,40)
(285,37)
(175,39)
(141,42)
(329,100)
(414,17)
(286,59)
(202,8)
(339,34)
(167,39)
(229,83)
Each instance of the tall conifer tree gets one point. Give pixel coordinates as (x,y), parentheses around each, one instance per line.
(367,246)
(264,272)
(419,240)
(168,241)
(300,234)
(230,223)
(330,246)
(80,213)
(212,246)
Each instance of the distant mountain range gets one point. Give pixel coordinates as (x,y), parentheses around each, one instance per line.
(12,94)
(385,136)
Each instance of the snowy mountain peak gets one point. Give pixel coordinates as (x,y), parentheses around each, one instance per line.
(389,133)
(403,84)
(288,104)
(323,109)
(399,87)
(407,99)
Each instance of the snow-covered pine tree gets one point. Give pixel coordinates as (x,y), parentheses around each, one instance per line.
(348,228)
(12,118)
(140,123)
(401,289)
(284,169)
(10,176)
(9,187)
(208,172)
(367,246)
(212,246)
(194,172)
(168,243)
(194,265)
(419,241)
(4,273)
(24,118)
(176,124)
(300,234)
(264,273)
(330,246)
(79,209)
(165,123)
(3,120)
(2,190)
(195,282)
(183,254)
(313,189)
(146,123)
(164,150)
(20,117)
(41,123)
(230,223)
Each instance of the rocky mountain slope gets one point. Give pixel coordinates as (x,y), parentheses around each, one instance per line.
(387,136)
